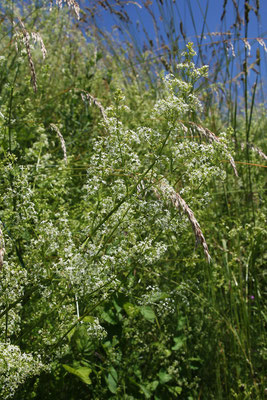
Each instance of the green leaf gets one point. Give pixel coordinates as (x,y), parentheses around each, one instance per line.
(148,313)
(164,377)
(130,309)
(109,317)
(159,296)
(82,373)
(117,306)
(175,389)
(80,340)
(181,323)
(89,319)
(112,380)
(153,385)
(146,392)
(179,342)
(70,334)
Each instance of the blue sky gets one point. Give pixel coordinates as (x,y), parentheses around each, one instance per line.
(180,12)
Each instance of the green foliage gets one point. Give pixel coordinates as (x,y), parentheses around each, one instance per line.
(103,292)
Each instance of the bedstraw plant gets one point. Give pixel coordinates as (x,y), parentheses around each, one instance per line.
(130,266)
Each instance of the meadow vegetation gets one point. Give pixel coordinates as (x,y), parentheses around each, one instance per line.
(133,206)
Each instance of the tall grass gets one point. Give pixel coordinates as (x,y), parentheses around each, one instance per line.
(225,51)
(235,88)
(175,325)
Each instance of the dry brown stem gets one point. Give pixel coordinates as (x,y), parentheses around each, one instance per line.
(71,4)
(179,203)
(28,49)
(255,149)
(92,100)
(62,141)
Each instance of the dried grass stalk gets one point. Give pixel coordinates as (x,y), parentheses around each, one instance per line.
(203,132)
(2,249)
(255,149)
(37,38)
(259,151)
(262,43)
(62,141)
(247,45)
(92,100)
(207,134)
(179,203)
(71,4)
(230,47)
(28,49)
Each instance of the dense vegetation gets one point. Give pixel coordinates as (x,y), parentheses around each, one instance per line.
(133,209)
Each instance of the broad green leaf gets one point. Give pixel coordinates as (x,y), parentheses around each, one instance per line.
(159,296)
(179,342)
(108,317)
(153,385)
(82,373)
(80,340)
(164,377)
(148,313)
(130,309)
(181,323)
(146,392)
(175,389)
(117,306)
(112,380)
(89,319)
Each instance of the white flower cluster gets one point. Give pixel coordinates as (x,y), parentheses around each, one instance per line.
(200,161)
(164,303)
(59,260)
(95,330)
(15,368)
(179,99)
